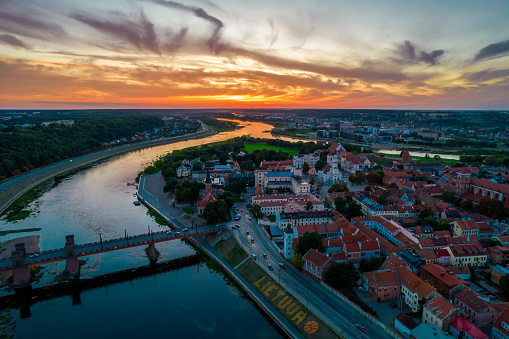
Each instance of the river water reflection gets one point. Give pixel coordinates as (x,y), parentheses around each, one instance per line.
(97,200)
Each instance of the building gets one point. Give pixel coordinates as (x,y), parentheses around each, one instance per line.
(300,186)
(427,331)
(465,227)
(276,180)
(404,324)
(406,157)
(415,292)
(439,312)
(461,328)
(357,251)
(476,308)
(316,264)
(500,328)
(498,272)
(208,197)
(300,218)
(183,172)
(467,255)
(444,281)
(383,284)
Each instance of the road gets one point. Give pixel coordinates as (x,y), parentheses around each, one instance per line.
(333,310)
(109,245)
(12,188)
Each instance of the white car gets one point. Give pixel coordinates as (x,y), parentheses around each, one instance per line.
(362,289)
(35,255)
(249,218)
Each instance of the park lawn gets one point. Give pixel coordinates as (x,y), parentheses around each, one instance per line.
(254,147)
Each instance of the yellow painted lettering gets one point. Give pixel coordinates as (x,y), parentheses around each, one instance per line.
(299,317)
(266,285)
(270,288)
(292,308)
(257,284)
(280,293)
(282,303)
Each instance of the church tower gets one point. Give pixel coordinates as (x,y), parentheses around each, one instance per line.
(463,181)
(208,184)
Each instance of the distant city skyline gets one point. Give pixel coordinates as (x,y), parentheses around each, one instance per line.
(235,54)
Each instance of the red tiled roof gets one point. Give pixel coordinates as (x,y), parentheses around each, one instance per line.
(471,298)
(442,274)
(441,308)
(316,258)
(461,324)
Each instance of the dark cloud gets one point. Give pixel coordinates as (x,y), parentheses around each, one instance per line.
(406,50)
(486,75)
(138,33)
(12,40)
(493,50)
(213,42)
(406,53)
(431,58)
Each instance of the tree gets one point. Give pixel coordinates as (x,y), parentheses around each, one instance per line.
(338,187)
(257,211)
(425,212)
(247,165)
(269,191)
(493,208)
(467,204)
(342,275)
(320,164)
(368,188)
(197,166)
(448,196)
(504,286)
(373,178)
(216,211)
(370,265)
(353,210)
(305,168)
(297,261)
(237,187)
(340,204)
(309,206)
(429,221)
(310,240)
(442,226)
(383,200)
(492,242)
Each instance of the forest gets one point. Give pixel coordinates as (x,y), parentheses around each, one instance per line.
(25,148)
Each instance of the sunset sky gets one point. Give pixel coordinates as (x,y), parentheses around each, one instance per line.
(451,54)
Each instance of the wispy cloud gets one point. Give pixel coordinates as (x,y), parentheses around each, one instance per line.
(406,53)
(12,40)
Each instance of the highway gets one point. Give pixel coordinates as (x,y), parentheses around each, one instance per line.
(59,254)
(310,292)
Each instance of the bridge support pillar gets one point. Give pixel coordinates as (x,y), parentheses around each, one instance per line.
(152,253)
(72,265)
(21,276)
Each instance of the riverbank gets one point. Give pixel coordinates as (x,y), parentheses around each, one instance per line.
(302,318)
(15,187)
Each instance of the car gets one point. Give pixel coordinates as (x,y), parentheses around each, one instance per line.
(253,255)
(393,305)
(362,289)
(185,229)
(281,265)
(360,328)
(242,210)
(265,255)
(270,267)
(177,233)
(35,255)
(169,232)
(247,232)
(237,225)
(249,218)
(252,240)
(234,206)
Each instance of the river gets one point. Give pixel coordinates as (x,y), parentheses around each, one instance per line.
(191,302)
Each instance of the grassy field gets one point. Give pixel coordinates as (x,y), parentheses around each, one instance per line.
(254,147)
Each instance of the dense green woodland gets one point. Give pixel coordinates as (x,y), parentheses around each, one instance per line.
(23,149)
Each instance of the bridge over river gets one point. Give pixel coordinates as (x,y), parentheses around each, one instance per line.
(20,261)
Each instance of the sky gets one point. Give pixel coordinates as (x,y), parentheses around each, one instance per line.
(387,54)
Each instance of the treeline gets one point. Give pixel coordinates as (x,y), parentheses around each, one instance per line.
(219,125)
(23,149)
(457,142)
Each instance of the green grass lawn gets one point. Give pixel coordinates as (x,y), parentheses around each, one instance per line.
(253,147)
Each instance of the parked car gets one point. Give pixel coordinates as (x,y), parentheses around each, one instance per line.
(247,232)
(270,267)
(281,265)
(185,229)
(252,240)
(253,255)
(265,255)
(169,232)
(362,289)
(249,218)
(177,233)
(35,255)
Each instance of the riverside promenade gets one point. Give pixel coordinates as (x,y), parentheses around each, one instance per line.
(153,183)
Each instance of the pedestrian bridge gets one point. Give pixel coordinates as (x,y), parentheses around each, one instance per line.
(20,261)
